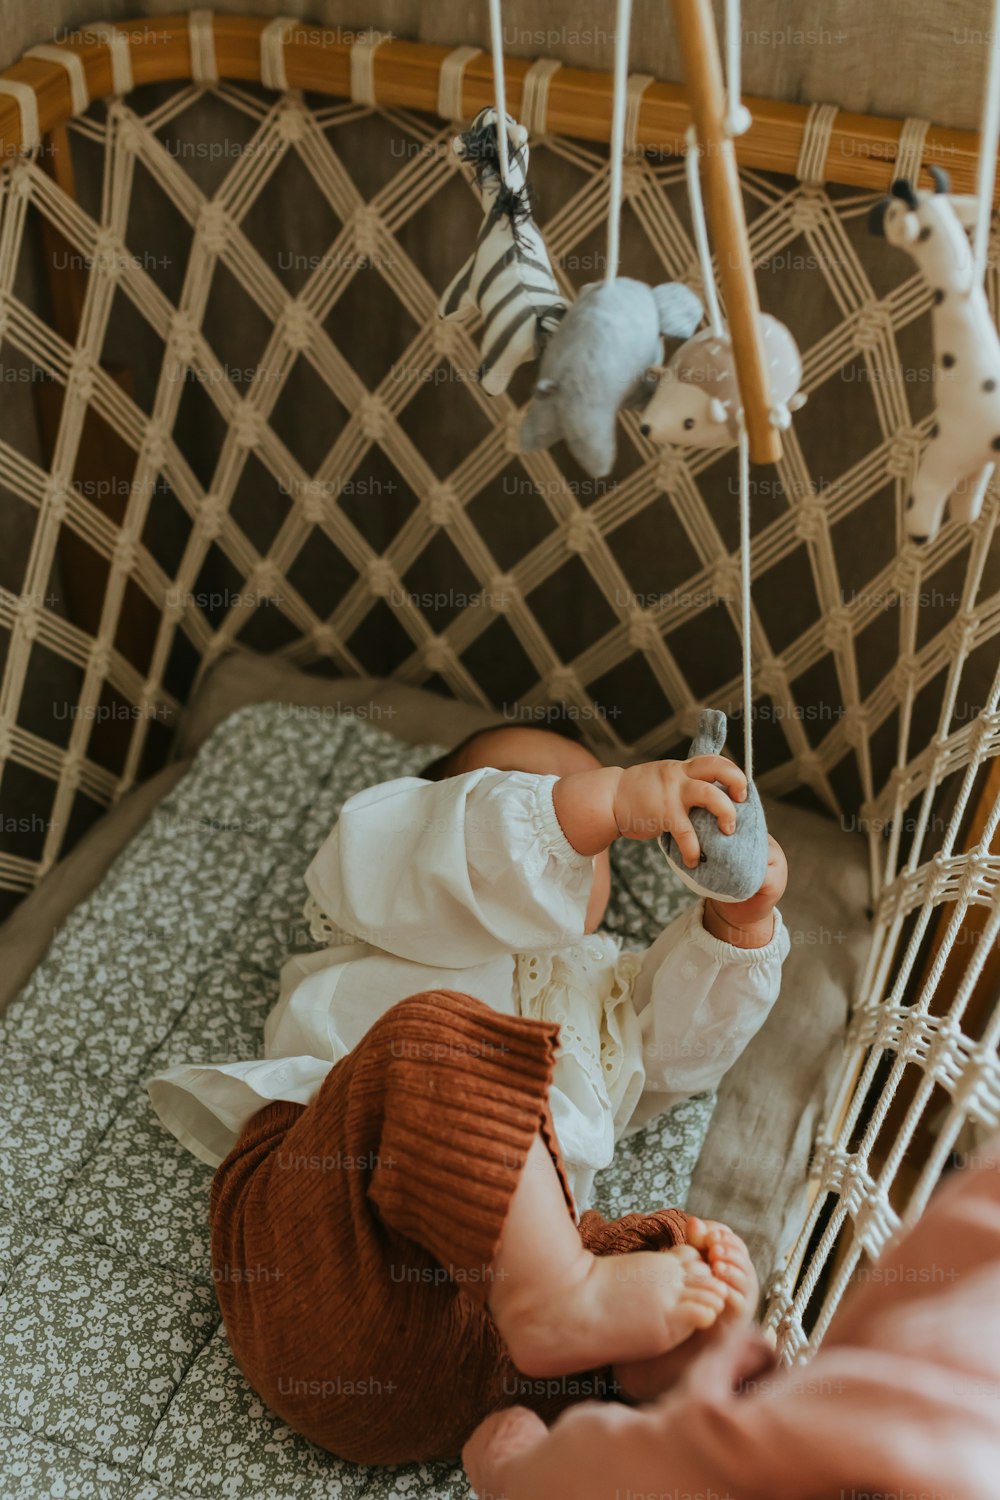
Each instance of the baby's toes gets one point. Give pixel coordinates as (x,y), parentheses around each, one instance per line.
(726,1249)
(730,1267)
(718,1236)
(703,1300)
(697,1231)
(739,1293)
(687,1255)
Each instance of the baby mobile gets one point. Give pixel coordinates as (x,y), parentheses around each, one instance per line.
(604,353)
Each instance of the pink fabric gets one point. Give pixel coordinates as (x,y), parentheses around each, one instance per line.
(902,1401)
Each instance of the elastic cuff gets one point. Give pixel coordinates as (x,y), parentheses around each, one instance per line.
(548,826)
(728,953)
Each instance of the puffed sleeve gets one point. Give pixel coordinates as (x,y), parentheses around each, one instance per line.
(455,871)
(700,1001)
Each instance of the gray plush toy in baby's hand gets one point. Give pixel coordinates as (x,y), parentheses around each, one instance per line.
(597,361)
(733,865)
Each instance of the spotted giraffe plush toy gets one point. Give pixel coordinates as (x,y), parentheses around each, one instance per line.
(508,276)
(965,435)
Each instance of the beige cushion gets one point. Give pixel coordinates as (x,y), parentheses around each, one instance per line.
(410,713)
(752,1170)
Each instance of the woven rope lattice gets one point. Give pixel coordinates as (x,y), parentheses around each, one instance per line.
(859,762)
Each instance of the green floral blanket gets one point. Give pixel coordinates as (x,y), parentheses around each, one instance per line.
(116,1381)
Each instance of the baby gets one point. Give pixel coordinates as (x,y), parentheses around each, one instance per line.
(401,1237)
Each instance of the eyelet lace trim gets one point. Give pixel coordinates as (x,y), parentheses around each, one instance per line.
(585,983)
(323,929)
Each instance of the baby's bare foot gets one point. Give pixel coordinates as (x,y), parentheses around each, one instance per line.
(613,1308)
(690,1299)
(725,1254)
(729,1261)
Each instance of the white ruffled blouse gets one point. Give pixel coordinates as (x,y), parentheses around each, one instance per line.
(470,884)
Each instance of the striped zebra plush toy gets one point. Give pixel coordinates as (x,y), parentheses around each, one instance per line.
(508,275)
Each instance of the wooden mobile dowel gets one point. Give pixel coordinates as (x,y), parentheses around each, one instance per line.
(707,93)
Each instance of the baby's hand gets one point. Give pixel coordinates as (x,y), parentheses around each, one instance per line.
(750,924)
(657,797)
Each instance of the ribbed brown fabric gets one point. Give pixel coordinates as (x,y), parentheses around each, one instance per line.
(353,1239)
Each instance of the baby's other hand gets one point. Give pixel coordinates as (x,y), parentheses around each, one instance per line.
(657,797)
(736,921)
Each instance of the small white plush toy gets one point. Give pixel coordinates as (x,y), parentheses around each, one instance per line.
(508,276)
(965,435)
(697,400)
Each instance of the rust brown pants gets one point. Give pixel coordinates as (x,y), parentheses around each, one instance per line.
(353,1239)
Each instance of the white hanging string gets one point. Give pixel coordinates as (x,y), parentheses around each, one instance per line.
(744,470)
(987,165)
(701,231)
(500,90)
(738,118)
(618,136)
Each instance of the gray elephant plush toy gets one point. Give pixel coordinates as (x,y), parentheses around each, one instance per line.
(733,865)
(597,361)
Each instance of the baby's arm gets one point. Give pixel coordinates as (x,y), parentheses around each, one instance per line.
(496,862)
(706,987)
(641,802)
(750,924)
(460,871)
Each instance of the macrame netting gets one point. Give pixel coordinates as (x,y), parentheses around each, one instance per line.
(901,751)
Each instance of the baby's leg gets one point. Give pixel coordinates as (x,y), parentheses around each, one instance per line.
(562,1309)
(729,1261)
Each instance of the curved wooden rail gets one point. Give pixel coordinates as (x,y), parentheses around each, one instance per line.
(862,153)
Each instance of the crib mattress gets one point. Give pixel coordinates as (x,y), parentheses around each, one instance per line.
(116,1380)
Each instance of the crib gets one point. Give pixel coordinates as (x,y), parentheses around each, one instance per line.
(233,422)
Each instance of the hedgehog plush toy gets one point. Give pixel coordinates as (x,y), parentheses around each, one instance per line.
(697,399)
